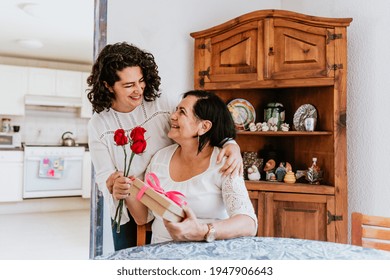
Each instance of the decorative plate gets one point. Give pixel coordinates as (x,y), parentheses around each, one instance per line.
(303,112)
(242,112)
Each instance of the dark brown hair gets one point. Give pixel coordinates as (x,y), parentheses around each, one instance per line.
(210,107)
(115,58)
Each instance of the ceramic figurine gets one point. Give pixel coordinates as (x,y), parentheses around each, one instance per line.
(249,159)
(274,114)
(264,126)
(281,171)
(253,173)
(314,173)
(284,127)
(258,126)
(288,167)
(273,127)
(289,178)
(269,169)
(252,127)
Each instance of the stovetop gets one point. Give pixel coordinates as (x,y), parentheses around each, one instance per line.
(85,145)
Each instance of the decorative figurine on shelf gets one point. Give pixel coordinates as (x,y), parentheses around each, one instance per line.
(273,127)
(314,173)
(252,127)
(264,126)
(253,173)
(269,169)
(249,159)
(274,114)
(281,171)
(284,127)
(289,178)
(258,126)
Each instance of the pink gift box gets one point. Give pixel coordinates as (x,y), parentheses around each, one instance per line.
(159,203)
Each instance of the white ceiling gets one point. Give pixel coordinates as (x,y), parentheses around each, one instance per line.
(65,28)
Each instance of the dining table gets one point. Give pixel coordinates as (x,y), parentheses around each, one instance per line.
(248,248)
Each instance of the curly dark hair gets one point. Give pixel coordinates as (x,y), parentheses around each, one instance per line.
(116,57)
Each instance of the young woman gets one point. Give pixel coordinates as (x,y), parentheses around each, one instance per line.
(124,92)
(218,207)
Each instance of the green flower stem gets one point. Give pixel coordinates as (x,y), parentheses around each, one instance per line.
(120,206)
(118,212)
(128,168)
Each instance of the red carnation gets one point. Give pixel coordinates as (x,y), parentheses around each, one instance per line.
(138,146)
(120,137)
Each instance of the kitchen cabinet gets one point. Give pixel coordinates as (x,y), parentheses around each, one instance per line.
(54,82)
(281,56)
(11,174)
(87,175)
(13,81)
(86,106)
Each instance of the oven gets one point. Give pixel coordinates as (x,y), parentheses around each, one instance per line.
(52,171)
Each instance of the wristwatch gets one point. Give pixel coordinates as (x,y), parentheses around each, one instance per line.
(210,235)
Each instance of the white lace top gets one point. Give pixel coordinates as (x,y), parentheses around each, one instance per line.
(210,195)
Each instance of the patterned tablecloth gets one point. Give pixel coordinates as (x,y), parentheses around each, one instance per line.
(245,248)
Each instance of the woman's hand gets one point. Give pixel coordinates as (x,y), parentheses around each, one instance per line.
(121,187)
(111,179)
(187,230)
(233,165)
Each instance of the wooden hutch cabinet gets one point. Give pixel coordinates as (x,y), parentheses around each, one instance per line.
(280,56)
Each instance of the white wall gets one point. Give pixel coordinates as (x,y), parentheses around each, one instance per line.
(163,27)
(368,132)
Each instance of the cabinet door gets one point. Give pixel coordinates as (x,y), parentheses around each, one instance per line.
(41,81)
(13,80)
(299,216)
(230,56)
(257,199)
(68,83)
(11,172)
(295,50)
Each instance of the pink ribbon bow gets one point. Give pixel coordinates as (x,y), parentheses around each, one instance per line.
(155,185)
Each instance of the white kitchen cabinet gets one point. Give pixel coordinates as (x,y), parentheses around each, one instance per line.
(86,106)
(54,82)
(41,81)
(13,80)
(11,174)
(68,83)
(87,175)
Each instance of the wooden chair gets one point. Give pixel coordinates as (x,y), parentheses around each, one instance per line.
(370,231)
(141,233)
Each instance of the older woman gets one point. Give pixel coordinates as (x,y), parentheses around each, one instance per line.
(218,207)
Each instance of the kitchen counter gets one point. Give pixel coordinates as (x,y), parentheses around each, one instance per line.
(12,149)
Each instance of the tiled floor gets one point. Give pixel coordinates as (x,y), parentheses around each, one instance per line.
(45,236)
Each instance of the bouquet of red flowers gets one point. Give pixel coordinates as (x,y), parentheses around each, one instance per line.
(137,146)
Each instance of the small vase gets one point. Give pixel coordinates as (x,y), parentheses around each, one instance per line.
(289,178)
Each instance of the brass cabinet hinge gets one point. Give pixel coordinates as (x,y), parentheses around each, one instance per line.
(202,74)
(332,36)
(336,66)
(204,46)
(332,218)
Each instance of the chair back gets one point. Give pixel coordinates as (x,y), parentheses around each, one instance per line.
(141,233)
(370,231)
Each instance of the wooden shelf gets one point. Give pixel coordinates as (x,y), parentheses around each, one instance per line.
(289,188)
(284,133)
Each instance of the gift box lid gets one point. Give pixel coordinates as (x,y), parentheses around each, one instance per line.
(158,203)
